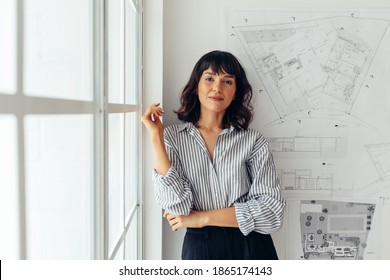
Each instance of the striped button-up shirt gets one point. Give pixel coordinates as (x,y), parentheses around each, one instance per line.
(241,174)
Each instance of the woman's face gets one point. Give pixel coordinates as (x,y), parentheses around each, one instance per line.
(216,91)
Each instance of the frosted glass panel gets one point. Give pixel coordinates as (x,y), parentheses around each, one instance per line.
(8,46)
(131,160)
(132,240)
(116,52)
(9,217)
(58,48)
(115,177)
(59,180)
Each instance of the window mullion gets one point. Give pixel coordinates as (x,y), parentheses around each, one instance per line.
(20,116)
(100,204)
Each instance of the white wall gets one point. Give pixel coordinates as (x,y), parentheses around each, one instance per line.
(152,88)
(194,27)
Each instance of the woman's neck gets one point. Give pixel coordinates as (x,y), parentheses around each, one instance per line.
(210,122)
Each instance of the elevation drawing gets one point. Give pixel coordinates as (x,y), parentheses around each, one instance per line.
(305,179)
(309,146)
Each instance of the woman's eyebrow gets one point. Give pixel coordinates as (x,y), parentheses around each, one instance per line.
(228,76)
(225,76)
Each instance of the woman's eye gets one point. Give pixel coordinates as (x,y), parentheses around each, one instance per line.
(209,79)
(229,82)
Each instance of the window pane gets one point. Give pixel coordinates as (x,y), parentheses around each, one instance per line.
(57,49)
(59,179)
(115,51)
(132,57)
(115,177)
(9,248)
(8,46)
(132,240)
(131,160)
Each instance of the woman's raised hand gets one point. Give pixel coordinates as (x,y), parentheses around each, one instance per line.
(151,120)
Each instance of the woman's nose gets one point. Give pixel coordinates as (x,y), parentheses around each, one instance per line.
(217,87)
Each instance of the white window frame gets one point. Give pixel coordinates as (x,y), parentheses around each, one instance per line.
(21,105)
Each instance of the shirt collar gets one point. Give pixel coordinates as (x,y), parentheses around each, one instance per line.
(184,125)
(189,125)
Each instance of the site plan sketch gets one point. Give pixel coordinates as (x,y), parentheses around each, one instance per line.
(322,98)
(332,229)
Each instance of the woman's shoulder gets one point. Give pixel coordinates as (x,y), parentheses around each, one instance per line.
(252,132)
(171,132)
(256,135)
(176,128)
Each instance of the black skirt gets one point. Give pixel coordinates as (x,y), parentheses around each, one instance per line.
(225,243)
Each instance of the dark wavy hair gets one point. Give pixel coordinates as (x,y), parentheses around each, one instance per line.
(239,112)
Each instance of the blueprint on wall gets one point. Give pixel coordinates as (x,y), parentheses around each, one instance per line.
(321,98)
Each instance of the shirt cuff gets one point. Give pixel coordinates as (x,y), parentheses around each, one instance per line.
(169,180)
(244,218)
(163,178)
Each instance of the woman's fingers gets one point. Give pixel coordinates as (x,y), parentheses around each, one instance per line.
(151,118)
(159,111)
(152,112)
(174,221)
(156,107)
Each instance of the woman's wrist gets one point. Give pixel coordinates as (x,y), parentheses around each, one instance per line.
(220,217)
(206,218)
(161,157)
(157,138)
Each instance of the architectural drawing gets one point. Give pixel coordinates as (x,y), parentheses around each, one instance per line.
(324,147)
(305,179)
(335,230)
(313,68)
(322,99)
(380,157)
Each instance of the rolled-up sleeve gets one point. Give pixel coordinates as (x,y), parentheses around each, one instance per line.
(263,208)
(173,190)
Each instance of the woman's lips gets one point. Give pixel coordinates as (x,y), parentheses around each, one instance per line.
(216,98)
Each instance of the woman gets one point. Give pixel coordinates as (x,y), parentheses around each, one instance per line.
(214,175)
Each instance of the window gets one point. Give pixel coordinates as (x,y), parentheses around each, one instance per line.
(70,73)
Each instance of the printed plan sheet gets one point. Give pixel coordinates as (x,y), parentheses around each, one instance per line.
(321,97)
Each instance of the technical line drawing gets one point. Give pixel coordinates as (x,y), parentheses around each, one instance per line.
(312,66)
(338,118)
(334,229)
(324,147)
(321,100)
(305,179)
(380,157)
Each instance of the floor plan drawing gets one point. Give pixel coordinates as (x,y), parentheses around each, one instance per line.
(313,66)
